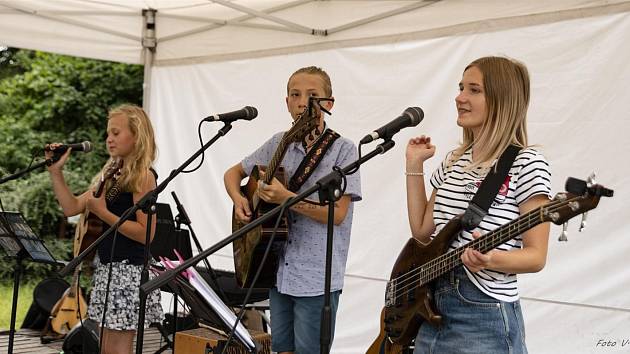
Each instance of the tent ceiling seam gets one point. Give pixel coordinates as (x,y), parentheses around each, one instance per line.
(381,16)
(576,304)
(236,21)
(263,15)
(70,22)
(481,26)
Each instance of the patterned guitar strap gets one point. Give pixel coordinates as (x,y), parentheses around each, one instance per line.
(113,191)
(312,159)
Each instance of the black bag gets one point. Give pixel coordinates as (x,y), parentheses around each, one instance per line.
(45,296)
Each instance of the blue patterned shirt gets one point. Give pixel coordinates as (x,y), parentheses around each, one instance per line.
(301,268)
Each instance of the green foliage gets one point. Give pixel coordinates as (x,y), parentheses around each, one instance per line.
(54,98)
(25,297)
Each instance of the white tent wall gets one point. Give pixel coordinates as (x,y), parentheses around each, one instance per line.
(578,115)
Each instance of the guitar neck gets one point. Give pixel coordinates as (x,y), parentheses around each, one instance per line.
(448,261)
(75,282)
(278,155)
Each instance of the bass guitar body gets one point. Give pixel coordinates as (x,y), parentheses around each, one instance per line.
(407,305)
(408,294)
(382,345)
(249,249)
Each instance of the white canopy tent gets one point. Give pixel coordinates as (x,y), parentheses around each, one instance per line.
(203,57)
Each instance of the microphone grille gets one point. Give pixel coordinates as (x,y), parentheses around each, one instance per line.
(87,146)
(252,112)
(416,114)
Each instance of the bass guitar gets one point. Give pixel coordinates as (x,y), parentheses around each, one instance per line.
(249,249)
(408,298)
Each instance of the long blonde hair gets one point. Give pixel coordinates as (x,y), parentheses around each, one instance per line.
(506,87)
(138,163)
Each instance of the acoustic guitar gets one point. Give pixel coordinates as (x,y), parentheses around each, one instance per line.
(72,307)
(408,298)
(249,250)
(90,227)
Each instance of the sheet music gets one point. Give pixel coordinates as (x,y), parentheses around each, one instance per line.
(33,246)
(224,312)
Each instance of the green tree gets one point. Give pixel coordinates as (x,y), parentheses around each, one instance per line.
(46,98)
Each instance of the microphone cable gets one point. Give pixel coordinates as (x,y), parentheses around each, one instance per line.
(203,153)
(109,279)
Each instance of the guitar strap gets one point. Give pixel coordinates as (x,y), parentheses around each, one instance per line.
(312,159)
(479,205)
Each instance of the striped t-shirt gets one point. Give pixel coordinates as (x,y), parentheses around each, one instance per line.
(528,176)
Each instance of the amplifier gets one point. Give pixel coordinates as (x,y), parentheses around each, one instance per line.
(203,341)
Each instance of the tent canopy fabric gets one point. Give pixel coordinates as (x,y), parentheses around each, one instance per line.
(203,57)
(198,30)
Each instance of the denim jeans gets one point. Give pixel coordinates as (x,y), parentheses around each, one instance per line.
(296,320)
(472,322)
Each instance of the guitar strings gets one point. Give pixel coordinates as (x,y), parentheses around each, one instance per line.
(437,266)
(421,275)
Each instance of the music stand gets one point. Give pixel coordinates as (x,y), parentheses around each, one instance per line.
(19,241)
(207,307)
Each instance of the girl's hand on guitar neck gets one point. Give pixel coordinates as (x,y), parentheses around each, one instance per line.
(97,206)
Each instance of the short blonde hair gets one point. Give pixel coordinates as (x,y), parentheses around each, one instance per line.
(314,70)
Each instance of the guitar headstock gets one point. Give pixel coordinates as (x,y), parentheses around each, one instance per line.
(111,171)
(580,197)
(304,124)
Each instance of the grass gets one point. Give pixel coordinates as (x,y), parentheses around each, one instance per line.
(25,298)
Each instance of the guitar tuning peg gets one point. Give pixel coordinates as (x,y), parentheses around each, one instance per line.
(565,233)
(583,223)
(591,179)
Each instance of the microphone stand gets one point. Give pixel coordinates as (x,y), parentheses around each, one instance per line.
(146,204)
(17,271)
(19,174)
(328,184)
(182,218)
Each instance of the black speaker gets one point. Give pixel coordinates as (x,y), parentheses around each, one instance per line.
(167,237)
(82,339)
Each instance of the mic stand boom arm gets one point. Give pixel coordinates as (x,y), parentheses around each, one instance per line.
(19,174)
(147,204)
(168,275)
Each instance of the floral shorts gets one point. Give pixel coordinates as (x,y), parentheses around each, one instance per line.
(123,302)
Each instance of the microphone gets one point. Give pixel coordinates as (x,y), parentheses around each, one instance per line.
(85,146)
(411,117)
(247,113)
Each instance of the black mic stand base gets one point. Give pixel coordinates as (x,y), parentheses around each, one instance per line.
(16,285)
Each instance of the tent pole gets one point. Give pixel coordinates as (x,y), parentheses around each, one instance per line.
(149,44)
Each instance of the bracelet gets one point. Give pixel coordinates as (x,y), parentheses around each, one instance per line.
(414,173)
